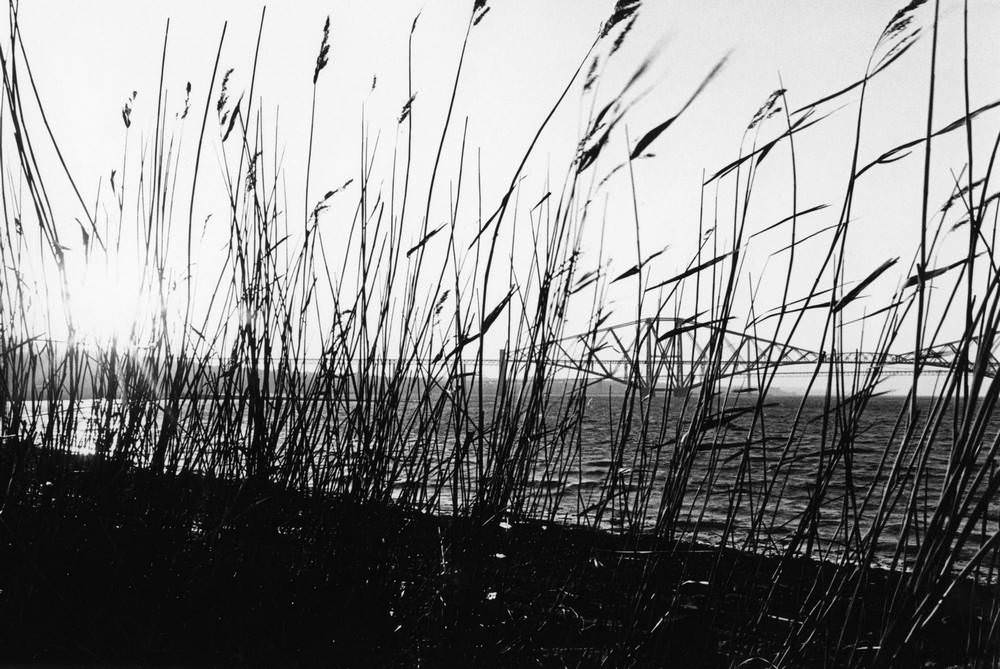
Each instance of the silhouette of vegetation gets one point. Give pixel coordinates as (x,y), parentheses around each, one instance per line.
(218,487)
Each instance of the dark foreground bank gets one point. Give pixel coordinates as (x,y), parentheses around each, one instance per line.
(109,565)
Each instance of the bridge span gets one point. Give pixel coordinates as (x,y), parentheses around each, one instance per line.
(676,353)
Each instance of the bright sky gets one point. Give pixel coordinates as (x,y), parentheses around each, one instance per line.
(88,57)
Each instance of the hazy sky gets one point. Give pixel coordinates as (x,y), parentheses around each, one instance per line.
(88,57)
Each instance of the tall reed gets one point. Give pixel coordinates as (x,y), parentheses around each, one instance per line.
(368,377)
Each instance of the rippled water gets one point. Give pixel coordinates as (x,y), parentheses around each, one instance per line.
(771,484)
(750,483)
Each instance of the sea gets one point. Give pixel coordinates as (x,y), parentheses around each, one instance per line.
(827,479)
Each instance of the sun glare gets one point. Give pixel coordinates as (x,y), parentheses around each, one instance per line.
(105,306)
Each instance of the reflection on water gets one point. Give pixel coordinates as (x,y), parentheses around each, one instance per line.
(748,482)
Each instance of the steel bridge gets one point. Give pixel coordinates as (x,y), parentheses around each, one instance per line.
(676,353)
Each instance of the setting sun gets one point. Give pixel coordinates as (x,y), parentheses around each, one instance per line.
(105,304)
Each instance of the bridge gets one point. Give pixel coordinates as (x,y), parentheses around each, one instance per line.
(678,353)
(672,353)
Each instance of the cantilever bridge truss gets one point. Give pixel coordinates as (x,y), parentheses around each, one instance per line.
(674,353)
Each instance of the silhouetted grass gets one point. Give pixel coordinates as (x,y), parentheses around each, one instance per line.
(316,463)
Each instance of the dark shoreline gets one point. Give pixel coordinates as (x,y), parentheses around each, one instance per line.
(114,565)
